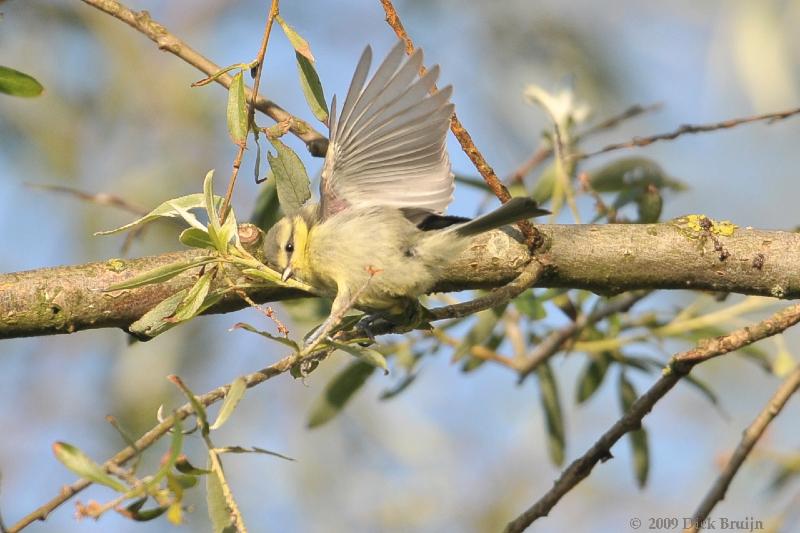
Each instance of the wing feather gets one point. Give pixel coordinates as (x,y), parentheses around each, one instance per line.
(387,146)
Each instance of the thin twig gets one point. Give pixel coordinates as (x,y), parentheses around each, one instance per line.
(251,109)
(163,427)
(679,366)
(463,136)
(692,128)
(520,284)
(545,151)
(556,340)
(749,438)
(142,22)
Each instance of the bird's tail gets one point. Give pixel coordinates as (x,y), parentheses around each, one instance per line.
(512,211)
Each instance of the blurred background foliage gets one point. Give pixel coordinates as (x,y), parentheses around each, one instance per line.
(452,451)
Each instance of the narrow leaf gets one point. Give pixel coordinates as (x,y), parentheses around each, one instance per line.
(291,178)
(267,211)
(592,376)
(312,88)
(232,399)
(191,304)
(183,466)
(81,465)
(299,44)
(338,392)
(368,355)
(16,83)
(554,420)
(208,199)
(237,110)
(253,449)
(166,209)
(218,512)
(134,511)
(480,332)
(160,274)
(638,437)
(283,340)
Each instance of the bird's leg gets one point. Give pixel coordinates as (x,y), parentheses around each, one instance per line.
(341,304)
(409,314)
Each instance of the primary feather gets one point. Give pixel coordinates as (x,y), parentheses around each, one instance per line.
(387,147)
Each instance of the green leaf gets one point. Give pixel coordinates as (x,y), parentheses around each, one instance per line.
(368,355)
(81,465)
(480,332)
(476,183)
(299,44)
(554,420)
(161,274)
(232,399)
(252,449)
(196,238)
(170,208)
(638,437)
(175,446)
(649,206)
(312,88)
(191,304)
(208,200)
(592,376)
(237,110)
(16,83)
(529,305)
(283,340)
(183,466)
(338,392)
(291,178)
(134,511)
(544,186)
(267,211)
(154,322)
(703,387)
(218,512)
(400,387)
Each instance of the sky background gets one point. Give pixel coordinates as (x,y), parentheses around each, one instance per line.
(455,452)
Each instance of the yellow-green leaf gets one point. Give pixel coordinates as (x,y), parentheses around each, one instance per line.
(161,274)
(312,88)
(291,178)
(299,44)
(368,355)
(638,437)
(81,465)
(191,304)
(237,110)
(338,392)
(232,399)
(554,419)
(171,208)
(16,83)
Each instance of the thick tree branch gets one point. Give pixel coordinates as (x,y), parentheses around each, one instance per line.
(679,366)
(607,259)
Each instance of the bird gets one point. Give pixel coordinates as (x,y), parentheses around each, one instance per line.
(379,239)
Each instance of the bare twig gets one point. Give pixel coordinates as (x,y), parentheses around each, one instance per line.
(251,109)
(163,427)
(557,339)
(749,438)
(545,151)
(692,128)
(142,22)
(679,366)
(523,282)
(463,136)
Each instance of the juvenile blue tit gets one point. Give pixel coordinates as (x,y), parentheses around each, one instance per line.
(378,239)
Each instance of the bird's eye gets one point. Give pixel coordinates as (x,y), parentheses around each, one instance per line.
(289,247)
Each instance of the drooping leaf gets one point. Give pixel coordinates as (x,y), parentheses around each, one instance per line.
(544,186)
(312,88)
(368,355)
(554,419)
(135,512)
(161,274)
(218,512)
(638,437)
(183,466)
(299,44)
(175,446)
(401,386)
(530,305)
(232,399)
(252,449)
(170,209)
(629,172)
(476,183)
(291,178)
(592,375)
(81,465)
(237,110)
(338,392)
(283,340)
(16,83)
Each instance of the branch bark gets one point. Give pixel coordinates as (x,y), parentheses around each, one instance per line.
(606,259)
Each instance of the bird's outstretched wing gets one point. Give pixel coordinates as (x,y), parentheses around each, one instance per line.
(387,147)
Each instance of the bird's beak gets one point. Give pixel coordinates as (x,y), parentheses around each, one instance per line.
(287,273)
